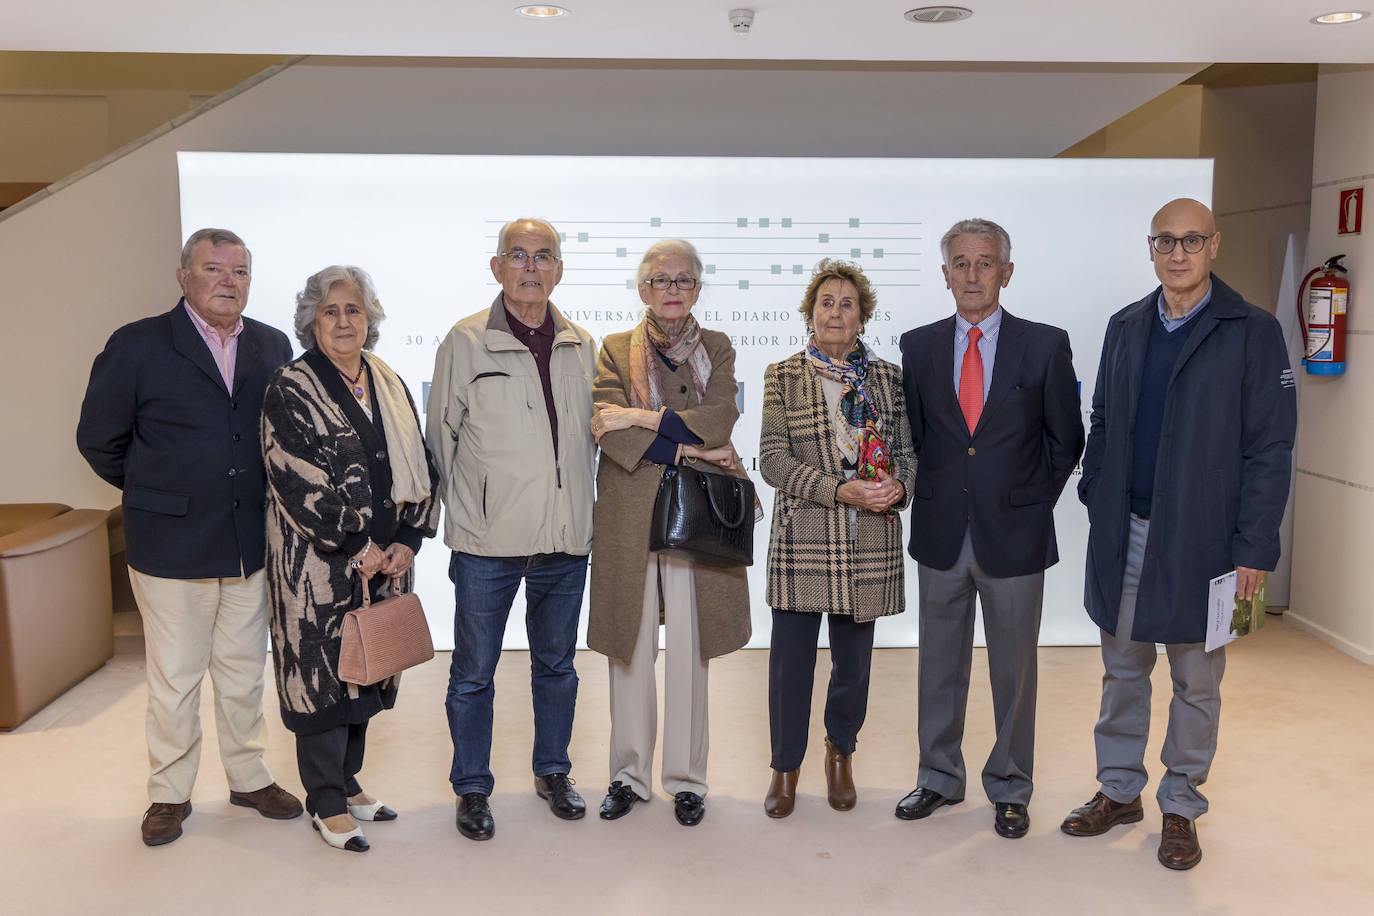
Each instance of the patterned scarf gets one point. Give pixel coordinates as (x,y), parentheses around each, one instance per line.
(682,347)
(858,428)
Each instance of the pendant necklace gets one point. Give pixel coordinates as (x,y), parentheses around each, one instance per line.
(356,381)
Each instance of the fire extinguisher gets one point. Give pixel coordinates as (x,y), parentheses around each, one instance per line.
(1322,316)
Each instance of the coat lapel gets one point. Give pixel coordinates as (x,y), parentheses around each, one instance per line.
(1011,346)
(942,358)
(1137,338)
(1223,305)
(246,357)
(819,414)
(188,342)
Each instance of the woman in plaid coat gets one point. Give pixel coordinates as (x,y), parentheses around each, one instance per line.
(837,448)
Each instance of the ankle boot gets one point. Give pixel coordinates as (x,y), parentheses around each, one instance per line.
(839,779)
(782,794)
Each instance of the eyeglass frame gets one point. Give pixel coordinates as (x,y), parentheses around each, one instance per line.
(516,257)
(672,281)
(1176,241)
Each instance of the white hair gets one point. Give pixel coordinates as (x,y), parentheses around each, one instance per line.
(983,227)
(667,248)
(317,290)
(529,221)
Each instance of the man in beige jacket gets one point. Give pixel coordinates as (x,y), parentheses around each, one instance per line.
(508,423)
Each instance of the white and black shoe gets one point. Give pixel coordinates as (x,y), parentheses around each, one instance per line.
(373,812)
(352,841)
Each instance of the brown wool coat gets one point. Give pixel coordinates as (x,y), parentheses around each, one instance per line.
(626,486)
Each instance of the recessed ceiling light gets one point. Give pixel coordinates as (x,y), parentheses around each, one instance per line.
(541,11)
(932,15)
(1340,18)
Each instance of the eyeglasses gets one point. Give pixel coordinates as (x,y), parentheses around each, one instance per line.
(685,284)
(1192,242)
(519,257)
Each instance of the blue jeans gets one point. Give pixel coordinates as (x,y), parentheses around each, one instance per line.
(484,590)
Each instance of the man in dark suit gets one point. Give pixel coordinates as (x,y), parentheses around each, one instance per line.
(995,423)
(1185,478)
(171,418)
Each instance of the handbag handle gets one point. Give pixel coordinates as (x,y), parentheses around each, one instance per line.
(395,590)
(715,508)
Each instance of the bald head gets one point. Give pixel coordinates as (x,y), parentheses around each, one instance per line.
(1196,215)
(1183,244)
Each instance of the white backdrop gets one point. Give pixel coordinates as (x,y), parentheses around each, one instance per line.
(425,228)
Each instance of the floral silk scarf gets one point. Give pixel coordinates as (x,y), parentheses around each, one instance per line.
(858,428)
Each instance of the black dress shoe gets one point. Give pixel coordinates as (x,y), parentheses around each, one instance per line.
(689,808)
(619,799)
(557,789)
(474,817)
(920,802)
(1012,821)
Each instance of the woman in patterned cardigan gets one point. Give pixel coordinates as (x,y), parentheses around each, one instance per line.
(351,493)
(836,446)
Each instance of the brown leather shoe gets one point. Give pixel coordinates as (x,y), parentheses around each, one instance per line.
(1178,846)
(270,801)
(839,779)
(1100,815)
(782,794)
(162,822)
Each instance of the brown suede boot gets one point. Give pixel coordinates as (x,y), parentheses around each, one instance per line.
(782,794)
(839,779)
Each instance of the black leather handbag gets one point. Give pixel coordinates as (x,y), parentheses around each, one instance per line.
(707,516)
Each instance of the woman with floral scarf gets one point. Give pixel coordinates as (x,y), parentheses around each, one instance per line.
(836,447)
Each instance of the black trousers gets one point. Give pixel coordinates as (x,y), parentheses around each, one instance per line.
(329,763)
(791,674)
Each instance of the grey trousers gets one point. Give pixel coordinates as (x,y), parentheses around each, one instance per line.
(634,699)
(1011,621)
(1123,729)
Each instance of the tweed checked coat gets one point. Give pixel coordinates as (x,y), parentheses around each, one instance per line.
(817,562)
(626,486)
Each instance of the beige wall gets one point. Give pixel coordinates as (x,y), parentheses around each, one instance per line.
(1259,133)
(60,112)
(1334,524)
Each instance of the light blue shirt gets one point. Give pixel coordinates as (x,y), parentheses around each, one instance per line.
(987,346)
(1173,324)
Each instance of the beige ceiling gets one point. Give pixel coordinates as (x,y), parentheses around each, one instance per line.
(1000,30)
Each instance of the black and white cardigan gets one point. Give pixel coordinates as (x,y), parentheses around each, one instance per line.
(328,491)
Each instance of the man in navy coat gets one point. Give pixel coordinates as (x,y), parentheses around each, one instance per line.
(1185,478)
(171,418)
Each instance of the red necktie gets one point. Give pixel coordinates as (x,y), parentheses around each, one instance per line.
(971,381)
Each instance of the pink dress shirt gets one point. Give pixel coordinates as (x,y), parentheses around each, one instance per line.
(224,352)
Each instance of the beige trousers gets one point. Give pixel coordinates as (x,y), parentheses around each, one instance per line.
(634,699)
(191,626)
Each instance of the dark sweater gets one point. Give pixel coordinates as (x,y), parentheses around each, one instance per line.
(1161,355)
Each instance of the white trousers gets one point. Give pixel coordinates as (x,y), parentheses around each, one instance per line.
(634,699)
(191,626)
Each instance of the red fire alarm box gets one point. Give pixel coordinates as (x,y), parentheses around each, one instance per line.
(1351,213)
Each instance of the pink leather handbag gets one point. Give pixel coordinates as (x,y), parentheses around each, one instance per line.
(383,639)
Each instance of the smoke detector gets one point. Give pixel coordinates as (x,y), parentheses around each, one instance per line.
(935,15)
(741,21)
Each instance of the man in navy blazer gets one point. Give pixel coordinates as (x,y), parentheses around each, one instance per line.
(1185,478)
(171,418)
(995,424)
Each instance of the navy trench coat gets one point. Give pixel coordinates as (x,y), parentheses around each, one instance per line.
(1222,476)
